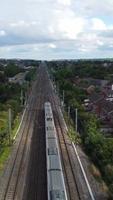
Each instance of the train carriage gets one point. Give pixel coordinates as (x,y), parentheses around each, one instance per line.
(55,180)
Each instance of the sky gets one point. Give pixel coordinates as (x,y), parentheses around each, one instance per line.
(56,29)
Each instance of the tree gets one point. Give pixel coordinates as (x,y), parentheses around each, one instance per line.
(11,70)
(3,78)
(94,140)
(30,75)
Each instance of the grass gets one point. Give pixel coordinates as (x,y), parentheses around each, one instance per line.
(95,172)
(3,157)
(16,125)
(97,175)
(3,120)
(7,148)
(73,135)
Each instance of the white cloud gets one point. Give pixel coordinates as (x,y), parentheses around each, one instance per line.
(71,27)
(93,7)
(2,33)
(98,24)
(65,2)
(36,48)
(19,24)
(23,23)
(53,46)
(60,27)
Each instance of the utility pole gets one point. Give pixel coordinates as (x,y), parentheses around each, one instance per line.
(57,88)
(26,97)
(76,119)
(62,101)
(63,98)
(53,80)
(68,111)
(9,124)
(21,97)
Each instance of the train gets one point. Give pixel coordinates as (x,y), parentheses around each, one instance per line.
(56,188)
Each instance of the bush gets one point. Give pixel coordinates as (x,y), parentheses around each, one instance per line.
(30,75)
(11,70)
(14,105)
(3,136)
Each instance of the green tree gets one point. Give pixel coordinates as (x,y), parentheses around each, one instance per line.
(11,70)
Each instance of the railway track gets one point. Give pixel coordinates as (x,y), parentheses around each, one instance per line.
(75,183)
(36,179)
(68,167)
(26,179)
(73,191)
(36,187)
(12,186)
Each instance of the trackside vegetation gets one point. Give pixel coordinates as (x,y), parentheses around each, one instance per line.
(13,95)
(96,145)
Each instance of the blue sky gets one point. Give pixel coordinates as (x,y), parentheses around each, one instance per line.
(56,29)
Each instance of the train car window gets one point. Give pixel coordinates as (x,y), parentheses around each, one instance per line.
(57,194)
(49,119)
(52,151)
(49,114)
(50,128)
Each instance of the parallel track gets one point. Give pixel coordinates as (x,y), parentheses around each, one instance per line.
(36,185)
(13,188)
(75,184)
(68,167)
(14,176)
(73,191)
